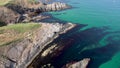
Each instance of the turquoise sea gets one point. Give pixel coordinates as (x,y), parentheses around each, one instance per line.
(98,38)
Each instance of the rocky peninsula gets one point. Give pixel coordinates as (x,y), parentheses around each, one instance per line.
(27,46)
(20,53)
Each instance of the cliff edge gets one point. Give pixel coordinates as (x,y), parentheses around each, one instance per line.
(21,52)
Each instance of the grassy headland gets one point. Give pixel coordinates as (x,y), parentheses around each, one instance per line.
(15,32)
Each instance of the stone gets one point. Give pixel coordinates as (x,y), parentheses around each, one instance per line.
(81,64)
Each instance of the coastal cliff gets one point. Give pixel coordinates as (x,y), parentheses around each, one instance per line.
(20,53)
(56,6)
(16,12)
(22,45)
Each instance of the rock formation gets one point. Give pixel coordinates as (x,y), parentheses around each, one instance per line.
(8,16)
(81,64)
(26,14)
(19,54)
(56,6)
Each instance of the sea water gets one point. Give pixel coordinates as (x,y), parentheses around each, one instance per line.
(99,39)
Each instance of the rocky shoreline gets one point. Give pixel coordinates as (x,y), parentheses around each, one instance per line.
(56,6)
(64,29)
(52,52)
(14,13)
(36,44)
(21,53)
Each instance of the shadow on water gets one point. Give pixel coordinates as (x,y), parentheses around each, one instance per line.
(101,55)
(81,39)
(58,41)
(75,42)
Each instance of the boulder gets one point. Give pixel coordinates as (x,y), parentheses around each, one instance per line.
(81,64)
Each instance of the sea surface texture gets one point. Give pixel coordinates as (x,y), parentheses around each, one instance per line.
(98,36)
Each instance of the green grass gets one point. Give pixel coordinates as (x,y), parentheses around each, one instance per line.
(3,2)
(20,28)
(15,32)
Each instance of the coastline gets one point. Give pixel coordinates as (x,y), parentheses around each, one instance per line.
(28,49)
(61,32)
(21,53)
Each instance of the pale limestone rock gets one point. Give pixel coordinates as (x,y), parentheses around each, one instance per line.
(81,64)
(55,6)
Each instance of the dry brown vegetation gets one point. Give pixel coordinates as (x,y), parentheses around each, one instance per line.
(22,6)
(11,10)
(26,3)
(7,16)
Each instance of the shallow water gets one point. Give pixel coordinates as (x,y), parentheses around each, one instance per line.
(99,39)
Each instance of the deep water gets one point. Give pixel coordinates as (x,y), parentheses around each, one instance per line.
(99,39)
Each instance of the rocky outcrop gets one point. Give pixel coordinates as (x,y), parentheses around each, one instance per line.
(32,14)
(8,16)
(20,53)
(81,64)
(56,6)
(14,11)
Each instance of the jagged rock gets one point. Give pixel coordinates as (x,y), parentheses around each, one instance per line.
(27,18)
(56,6)
(81,64)
(15,13)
